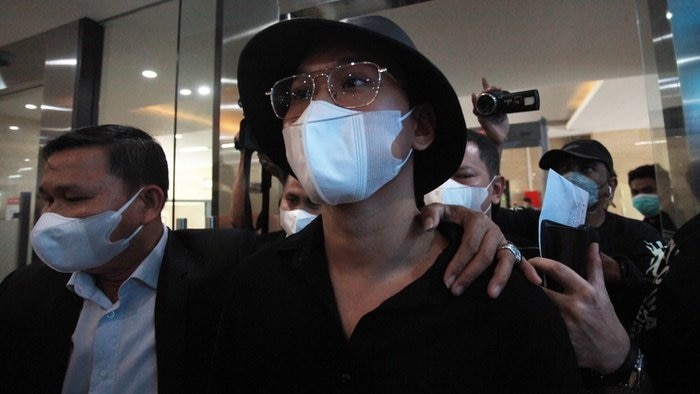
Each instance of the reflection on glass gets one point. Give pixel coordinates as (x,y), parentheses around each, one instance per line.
(19,154)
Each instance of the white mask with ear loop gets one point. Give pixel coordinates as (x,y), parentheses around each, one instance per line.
(294,220)
(79,244)
(341,155)
(454,193)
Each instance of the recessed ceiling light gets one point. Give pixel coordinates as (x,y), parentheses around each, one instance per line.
(669,15)
(14,128)
(30,106)
(26,159)
(15,176)
(61,62)
(185,92)
(149,74)
(203,90)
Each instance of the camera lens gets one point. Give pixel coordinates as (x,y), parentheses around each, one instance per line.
(486,104)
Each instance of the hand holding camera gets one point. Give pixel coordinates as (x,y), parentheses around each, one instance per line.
(494,101)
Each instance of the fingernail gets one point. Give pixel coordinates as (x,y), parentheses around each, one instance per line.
(458,290)
(450,281)
(496,291)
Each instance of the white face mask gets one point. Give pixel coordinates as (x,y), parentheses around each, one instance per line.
(72,245)
(454,193)
(295,220)
(340,155)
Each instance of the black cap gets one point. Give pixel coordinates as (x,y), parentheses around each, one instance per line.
(276,52)
(585,149)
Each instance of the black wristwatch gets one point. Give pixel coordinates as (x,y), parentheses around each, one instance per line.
(630,373)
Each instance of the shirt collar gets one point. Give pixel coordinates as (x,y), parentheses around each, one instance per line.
(306,253)
(83,283)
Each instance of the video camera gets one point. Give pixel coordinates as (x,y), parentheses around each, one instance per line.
(504,102)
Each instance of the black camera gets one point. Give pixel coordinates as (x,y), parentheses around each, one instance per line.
(503,102)
(246,139)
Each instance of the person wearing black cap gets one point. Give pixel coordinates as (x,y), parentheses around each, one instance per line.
(356,302)
(630,249)
(666,328)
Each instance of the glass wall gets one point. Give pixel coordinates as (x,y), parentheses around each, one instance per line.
(159,75)
(164,72)
(19,153)
(240,20)
(668,34)
(189,103)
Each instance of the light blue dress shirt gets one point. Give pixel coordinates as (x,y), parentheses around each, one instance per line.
(114,344)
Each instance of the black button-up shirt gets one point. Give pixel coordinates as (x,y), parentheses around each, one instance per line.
(282,332)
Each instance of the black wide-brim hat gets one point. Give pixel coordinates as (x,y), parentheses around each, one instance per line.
(277,51)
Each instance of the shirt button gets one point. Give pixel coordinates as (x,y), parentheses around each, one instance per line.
(345,378)
(110,315)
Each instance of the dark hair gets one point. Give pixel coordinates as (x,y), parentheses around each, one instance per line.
(650,171)
(488,152)
(134,156)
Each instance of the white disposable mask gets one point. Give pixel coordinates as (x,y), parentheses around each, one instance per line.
(295,220)
(454,193)
(588,185)
(79,244)
(340,155)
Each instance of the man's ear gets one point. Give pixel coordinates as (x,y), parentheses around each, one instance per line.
(153,200)
(498,187)
(424,116)
(613,185)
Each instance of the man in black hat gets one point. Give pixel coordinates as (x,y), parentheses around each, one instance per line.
(356,301)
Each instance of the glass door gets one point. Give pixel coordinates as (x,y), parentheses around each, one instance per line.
(19,155)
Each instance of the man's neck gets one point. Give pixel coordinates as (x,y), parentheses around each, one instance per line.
(374,237)
(596,218)
(372,255)
(112,275)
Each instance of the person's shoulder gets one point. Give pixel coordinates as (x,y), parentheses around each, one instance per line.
(207,238)
(35,286)
(689,231)
(515,213)
(264,240)
(35,276)
(520,293)
(281,259)
(624,225)
(274,250)
(213,244)
(519,299)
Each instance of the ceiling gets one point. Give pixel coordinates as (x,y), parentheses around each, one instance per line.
(583,56)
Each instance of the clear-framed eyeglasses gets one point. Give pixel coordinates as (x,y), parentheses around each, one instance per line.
(351,85)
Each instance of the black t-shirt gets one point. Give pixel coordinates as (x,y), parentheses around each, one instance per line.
(281,332)
(670,319)
(663,224)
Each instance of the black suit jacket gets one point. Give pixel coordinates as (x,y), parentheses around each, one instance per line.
(38,314)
